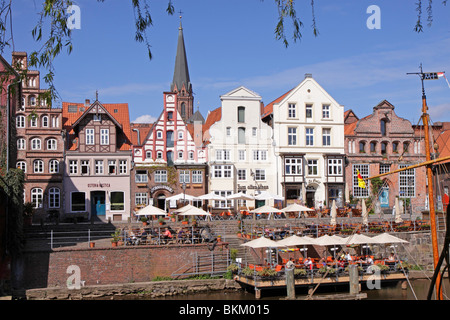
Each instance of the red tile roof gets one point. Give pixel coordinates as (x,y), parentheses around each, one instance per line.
(144,129)
(213,117)
(268,109)
(119,112)
(443,141)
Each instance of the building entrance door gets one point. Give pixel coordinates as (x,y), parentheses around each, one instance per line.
(98,204)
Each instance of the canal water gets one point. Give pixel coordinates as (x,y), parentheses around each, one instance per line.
(393,291)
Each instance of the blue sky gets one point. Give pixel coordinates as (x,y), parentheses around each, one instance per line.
(231,43)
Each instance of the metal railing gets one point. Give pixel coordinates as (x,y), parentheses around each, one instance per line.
(213,264)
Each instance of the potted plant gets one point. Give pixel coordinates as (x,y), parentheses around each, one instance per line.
(115,238)
(144,220)
(233,268)
(161,221)
(185,220)
(299,273)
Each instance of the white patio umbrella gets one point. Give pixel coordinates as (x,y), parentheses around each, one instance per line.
(296,241)
(151,211)
(183,209)
(359,239)
(327,240)
(194,211)
(333,213)
(295,207)
(265,195)
(387,238)
(211,196)
(181,196)
(398,213)
(240,196)
(262,242)
(364,213)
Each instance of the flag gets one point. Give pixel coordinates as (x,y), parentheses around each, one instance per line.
(361,182)
(442,74)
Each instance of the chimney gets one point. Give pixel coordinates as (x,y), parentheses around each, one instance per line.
(308,75)
(87,103)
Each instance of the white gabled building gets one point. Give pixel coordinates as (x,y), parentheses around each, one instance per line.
(241,157)
(309,144)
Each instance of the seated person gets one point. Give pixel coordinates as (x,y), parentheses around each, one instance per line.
(167,234)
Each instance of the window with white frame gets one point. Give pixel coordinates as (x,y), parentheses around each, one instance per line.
(141,198)
(180,155)
(293,166)
(241,135)
(241,155)
(309,136)
(21,144)
(228,130)
(99,167)
(159,155)
(45,121)
(222,155)
(73,167)
(90,136)
(141,176)
(37,195)
(292,110)
(259,155)
(36,144)
(197,176)
(159,134)
(326,137)
(180,134)
(123,169)
(160,176)
(53,166)
(407,182)
(55,122)
(364,171)
(112,166)
(292,136)
(254,131)
(385,168)
(313,167)
(104,136)
(38,166)
(84,165)
(148,154)
(225,203)
(51,144)
(191,155)
(241,174)
(22,165)
(224,171)
(308,111)
(326,111)
(185,176)
(54,198)
(260,175)
(20,121)
(335,167)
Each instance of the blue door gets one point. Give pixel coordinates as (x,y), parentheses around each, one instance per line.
(98,206)
(384,198)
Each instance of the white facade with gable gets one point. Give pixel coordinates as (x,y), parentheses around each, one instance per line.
(241,157)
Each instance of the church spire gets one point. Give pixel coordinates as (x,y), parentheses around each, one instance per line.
(181,83)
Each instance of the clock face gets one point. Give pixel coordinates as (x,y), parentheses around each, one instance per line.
(169,98)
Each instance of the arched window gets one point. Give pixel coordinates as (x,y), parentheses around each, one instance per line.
(169,139)
(383,147)
(38,166)
(395,146)
(383,127)
(51,144)
(53,166)
(22,165)
(373,147)
(20,121)
(406,147)
(36,197)
(21,144)
(36,144)
(241,135)
(45,121)
(362,147)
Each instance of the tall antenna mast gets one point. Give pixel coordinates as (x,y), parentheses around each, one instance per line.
(425,120)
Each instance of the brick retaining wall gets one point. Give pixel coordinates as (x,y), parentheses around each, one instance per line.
(100,266)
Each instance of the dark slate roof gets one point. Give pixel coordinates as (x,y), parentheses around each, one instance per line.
(197,116)
(181,73)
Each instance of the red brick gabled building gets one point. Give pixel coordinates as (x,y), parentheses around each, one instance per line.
(383,142)
(40,144)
